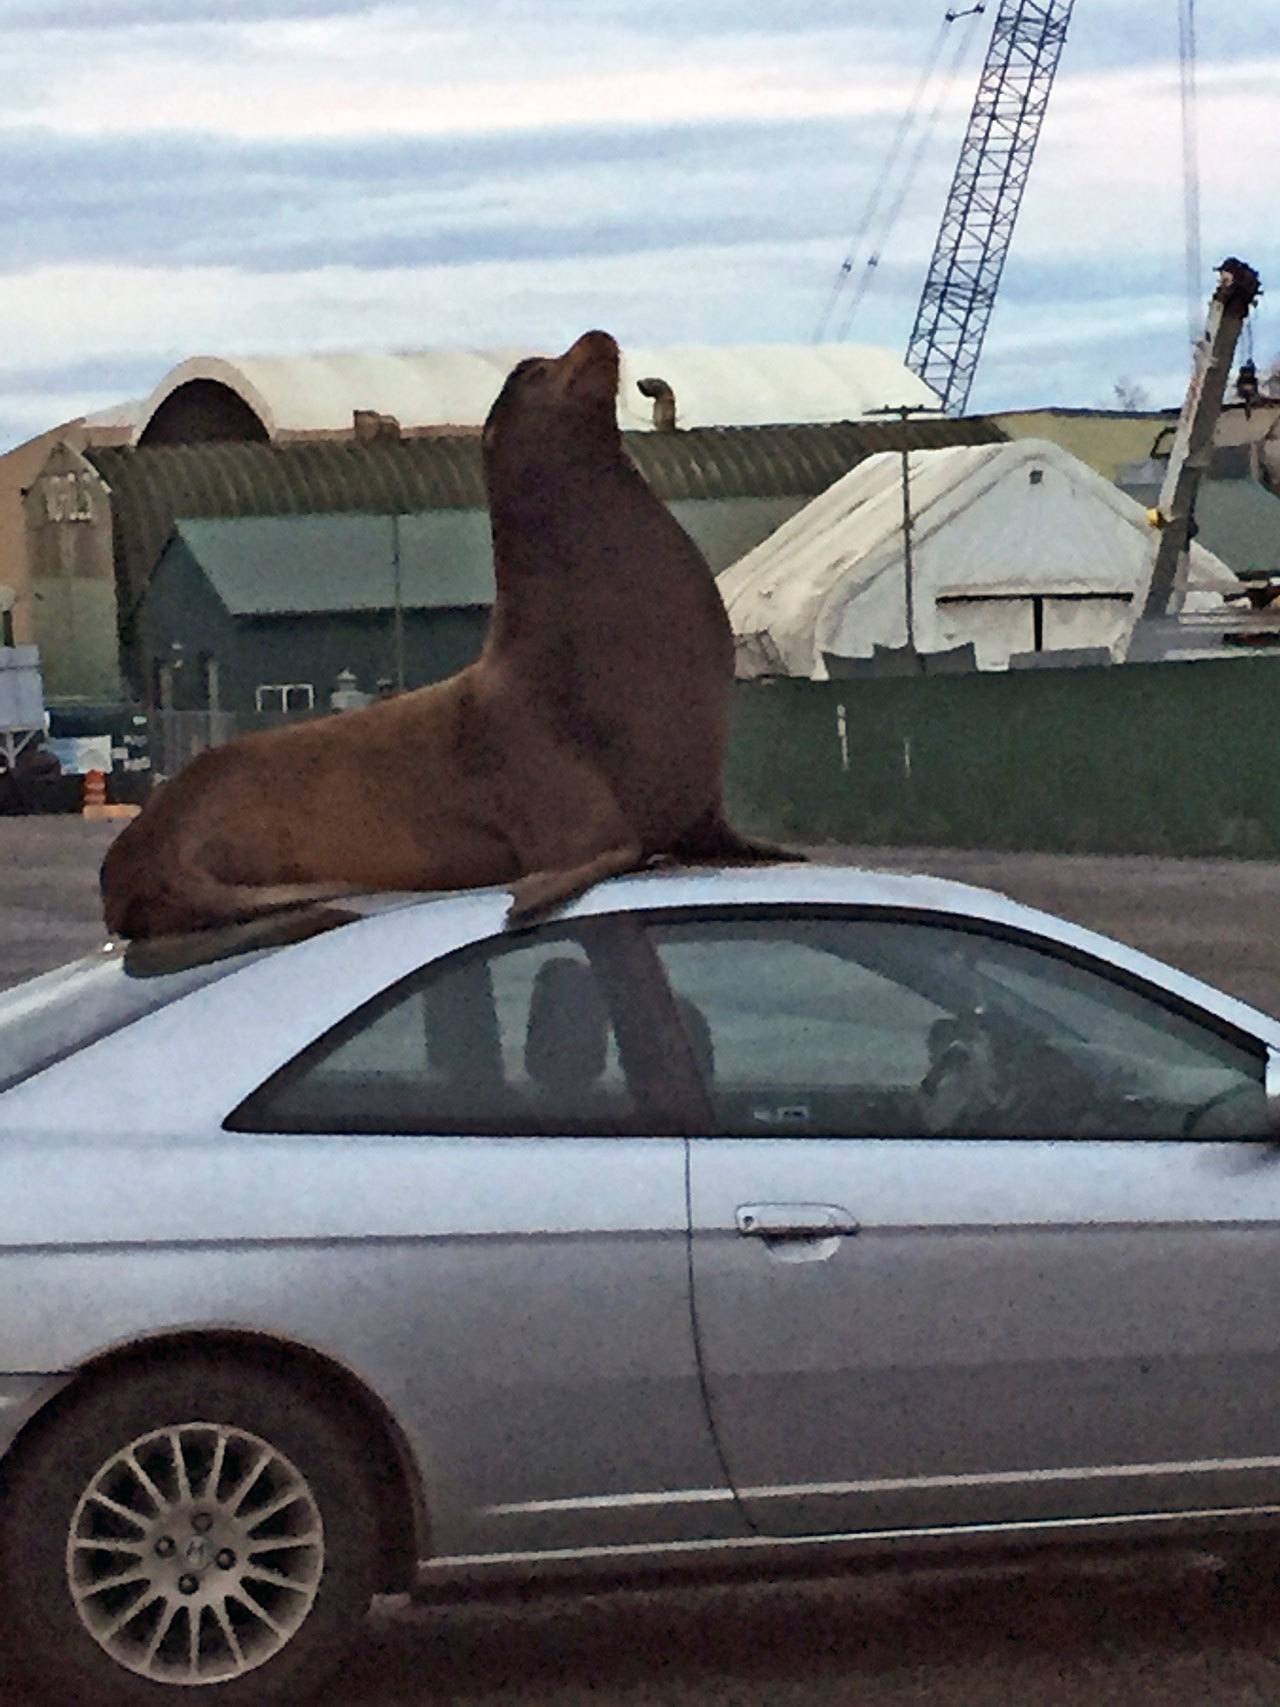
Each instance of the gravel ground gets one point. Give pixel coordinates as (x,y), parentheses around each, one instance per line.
(1152,1631)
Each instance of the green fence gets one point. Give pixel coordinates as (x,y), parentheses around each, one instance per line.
(1148,758)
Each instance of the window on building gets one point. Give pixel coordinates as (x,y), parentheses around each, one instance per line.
(285,696)
(998,623)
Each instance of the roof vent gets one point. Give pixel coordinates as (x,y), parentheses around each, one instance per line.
(664,403)
(368,425)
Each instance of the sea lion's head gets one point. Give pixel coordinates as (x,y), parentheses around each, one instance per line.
(550,402)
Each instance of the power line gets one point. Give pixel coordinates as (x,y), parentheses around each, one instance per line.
(926,134)
(905,125)
(1187,57)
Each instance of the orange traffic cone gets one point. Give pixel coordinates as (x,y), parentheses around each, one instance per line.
(95,799)
(94,804)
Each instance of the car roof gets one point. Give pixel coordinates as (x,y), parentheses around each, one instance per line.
(787,881)
(792,881)
(828,882)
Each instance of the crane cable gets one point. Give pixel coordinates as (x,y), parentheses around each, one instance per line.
(1190,162)
(892,214)
(905,124)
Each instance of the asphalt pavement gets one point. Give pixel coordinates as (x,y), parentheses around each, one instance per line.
(1159,1635)
(1155,1632)
(1217,918)
(49,907)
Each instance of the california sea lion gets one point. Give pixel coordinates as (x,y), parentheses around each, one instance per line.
(587,737)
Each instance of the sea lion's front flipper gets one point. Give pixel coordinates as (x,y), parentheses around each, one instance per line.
(541,890)
(567,832)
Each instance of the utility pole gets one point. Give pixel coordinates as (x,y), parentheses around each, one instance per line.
(398,619)
(904,412)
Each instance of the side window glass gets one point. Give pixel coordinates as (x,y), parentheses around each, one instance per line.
(796,1031)
(1100,1058)
(516,1040)
(882,1028)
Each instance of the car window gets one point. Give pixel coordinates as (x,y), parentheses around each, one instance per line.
(863,1027)
(513,1037)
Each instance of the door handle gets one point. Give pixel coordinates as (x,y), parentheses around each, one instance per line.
(780,1221)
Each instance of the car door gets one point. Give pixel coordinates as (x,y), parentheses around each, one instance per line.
(981,1233)
(506,1095)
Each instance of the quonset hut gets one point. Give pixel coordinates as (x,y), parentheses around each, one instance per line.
(734,440)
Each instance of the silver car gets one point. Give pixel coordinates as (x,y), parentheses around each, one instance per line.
(725,1214)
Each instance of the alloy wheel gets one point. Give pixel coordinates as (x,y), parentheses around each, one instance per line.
(195,1554)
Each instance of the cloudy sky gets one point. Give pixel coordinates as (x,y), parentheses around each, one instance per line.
(270,175)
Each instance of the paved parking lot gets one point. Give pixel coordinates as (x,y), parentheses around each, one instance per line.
(1149,1632)
(1217,918)
(1141,1637)
(1087,1639)
(49,908)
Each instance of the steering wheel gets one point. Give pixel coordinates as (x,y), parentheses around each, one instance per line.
(960,1092)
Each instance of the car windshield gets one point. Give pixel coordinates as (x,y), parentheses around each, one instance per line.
(50,1017)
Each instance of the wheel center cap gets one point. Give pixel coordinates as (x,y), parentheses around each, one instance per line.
(196,1553)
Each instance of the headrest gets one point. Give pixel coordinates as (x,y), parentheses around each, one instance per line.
(567,1043)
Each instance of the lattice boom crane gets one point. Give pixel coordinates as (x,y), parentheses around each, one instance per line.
(986,193)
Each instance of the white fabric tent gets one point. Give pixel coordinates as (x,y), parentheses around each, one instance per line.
(1017,548)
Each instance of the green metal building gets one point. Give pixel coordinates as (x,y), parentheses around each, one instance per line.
(262,615)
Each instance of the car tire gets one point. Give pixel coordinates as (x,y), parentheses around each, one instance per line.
(250,1589)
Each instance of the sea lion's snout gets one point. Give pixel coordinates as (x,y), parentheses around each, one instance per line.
(589,368)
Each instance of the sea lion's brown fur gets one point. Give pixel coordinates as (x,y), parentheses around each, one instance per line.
(588,736)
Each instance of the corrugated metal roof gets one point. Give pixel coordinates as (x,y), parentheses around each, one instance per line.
(714,385)
(994,521)
(281,565)
(152,487)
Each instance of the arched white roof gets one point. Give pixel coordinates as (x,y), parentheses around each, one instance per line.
(715,386)
(994,523)
(118,415)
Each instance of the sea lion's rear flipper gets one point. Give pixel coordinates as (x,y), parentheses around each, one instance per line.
(205,905)
(542,890)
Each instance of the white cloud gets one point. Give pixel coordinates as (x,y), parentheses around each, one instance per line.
(355,77)
(61,315)
(1094,284)
(26,414)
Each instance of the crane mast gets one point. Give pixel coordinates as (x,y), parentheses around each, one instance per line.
(1164,589)
(986,193)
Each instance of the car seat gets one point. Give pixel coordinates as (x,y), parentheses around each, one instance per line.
(698,1033)
(567,1040)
